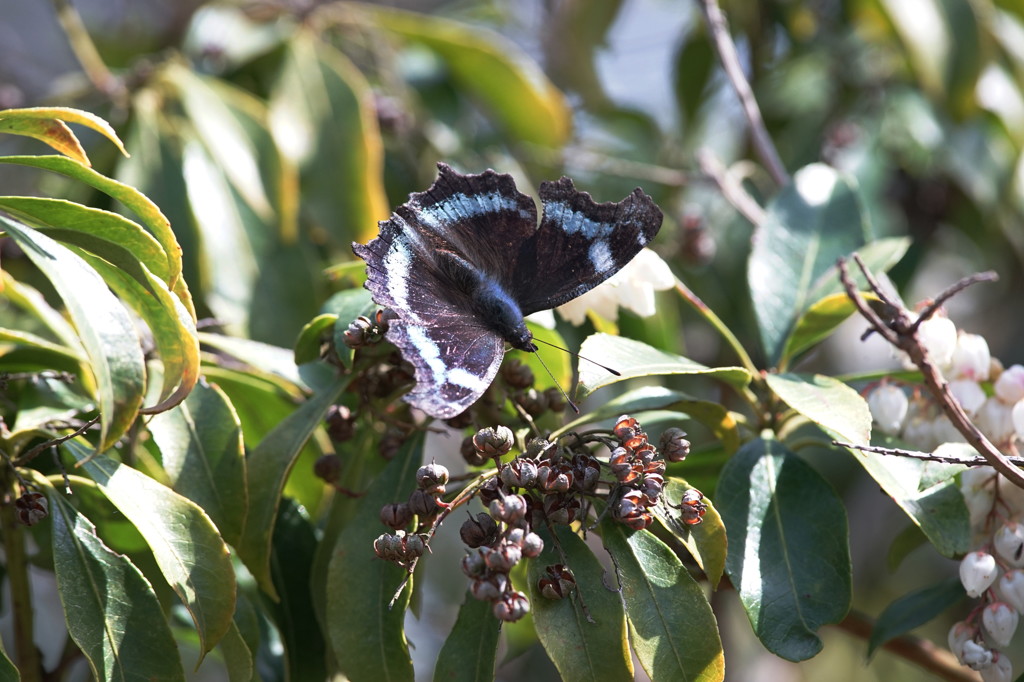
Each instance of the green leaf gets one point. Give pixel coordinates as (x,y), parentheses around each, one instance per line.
(817,322)
(789,555)
(54,115)
(580,649)
(237,655)
(292,553)
(908,539)
(35,304)
(938,509)
(110,608)
(812,222)
(915,609)
(261,356)
(559,363)
(54,133)
(268,466)
(200,444)
(828,402)
(133,199)
(101,232)
(879,256)
(672,627)
(103,324)
(367,637)
(8,671)
(469,652)
(324,120)
(172,326)
(348,305)
(634,359)
(510,85)
(706,542)
(307,346)
(186,546)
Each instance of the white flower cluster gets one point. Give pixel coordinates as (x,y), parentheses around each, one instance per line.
(993,398)
(965,361)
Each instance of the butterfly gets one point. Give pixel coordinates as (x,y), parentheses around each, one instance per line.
(461,264)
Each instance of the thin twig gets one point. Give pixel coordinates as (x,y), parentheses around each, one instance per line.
(88,56)
(31,454)
(730,187)
(901,331)
(927,456)
(952,291)
(727,54)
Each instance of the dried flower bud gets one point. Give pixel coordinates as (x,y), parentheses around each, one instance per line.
(341,424)
(673,445)
(651,486)
(479,530)
(516,374)
(387,546)
(391,441)
(396,515)
(692,507)
(511,509)
(461,420)
(412,547)
(626,427)
(631,510)
(473,565)
(503,557)
(533,402)
(489,588)
(491,490)
(561,509)
(557,582)
(494,441)
(555,400)
(32,507)
(423,503)
(363,331)
(555,477)
(532,545)
(586,471)
(432,478)
(470,454)
(511,607)
(519,473)
(540,448)
(328,467)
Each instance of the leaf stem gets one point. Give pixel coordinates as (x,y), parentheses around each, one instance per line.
(88,56)
(16,563)
(715,321)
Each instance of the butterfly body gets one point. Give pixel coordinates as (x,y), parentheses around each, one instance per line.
(463,263)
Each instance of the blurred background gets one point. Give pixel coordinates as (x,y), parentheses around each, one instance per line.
(273,134)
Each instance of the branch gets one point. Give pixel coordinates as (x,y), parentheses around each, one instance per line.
(730,187)
(726,50)
(917,454)
(901,330)
(915,649)
(85,51)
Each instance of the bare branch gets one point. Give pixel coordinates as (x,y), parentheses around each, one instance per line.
(730,187)
(917,454)
(901,330)
(726,49)
(952,291)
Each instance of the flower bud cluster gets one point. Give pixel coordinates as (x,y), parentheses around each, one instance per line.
(425,502)
(992,397)
(994,573)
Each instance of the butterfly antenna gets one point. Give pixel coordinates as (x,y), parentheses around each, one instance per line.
(561,390)
(566,350)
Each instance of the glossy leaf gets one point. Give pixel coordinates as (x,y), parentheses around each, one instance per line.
(323,118)
(672,628)
(827,402)
(789,556)
(138,203)
(201,450)
(817,322)
(469,651)
(307,346)
(510,85)
(915,609)
(51,131)
(938,509)
(634,359)
(31,301)
(879,255)
(812,222)
(186,545)
(706,542)
(580,649)
(268,466)
(347,306)
(170,323)
(261,356)
(103,324)
(101,232)
(111,610)
(295,542)
(371,646)
(53,115)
